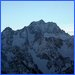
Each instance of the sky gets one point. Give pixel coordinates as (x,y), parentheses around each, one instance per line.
(17,14)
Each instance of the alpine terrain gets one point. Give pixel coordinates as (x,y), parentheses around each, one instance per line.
(40,48)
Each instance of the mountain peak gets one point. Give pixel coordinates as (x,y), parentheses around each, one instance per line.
(7,29)
(41,21)
(41,47)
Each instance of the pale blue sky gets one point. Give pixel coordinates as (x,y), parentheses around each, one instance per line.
(17,14)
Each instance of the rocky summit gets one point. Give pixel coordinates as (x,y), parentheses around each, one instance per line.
(40,48)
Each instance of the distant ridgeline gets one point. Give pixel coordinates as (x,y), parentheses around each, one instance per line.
(38,48)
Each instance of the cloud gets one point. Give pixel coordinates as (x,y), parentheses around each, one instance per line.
(68,29)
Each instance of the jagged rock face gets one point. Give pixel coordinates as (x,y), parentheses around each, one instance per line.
(39,48)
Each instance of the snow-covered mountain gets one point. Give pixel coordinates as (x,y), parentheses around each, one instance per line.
(38,48)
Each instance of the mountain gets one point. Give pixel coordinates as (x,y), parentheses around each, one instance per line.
(38,48)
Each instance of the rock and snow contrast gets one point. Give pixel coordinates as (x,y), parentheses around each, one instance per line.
(40,48)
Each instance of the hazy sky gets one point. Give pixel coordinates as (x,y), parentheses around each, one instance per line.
(17,14)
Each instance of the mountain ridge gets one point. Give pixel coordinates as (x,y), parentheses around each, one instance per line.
(40,21)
